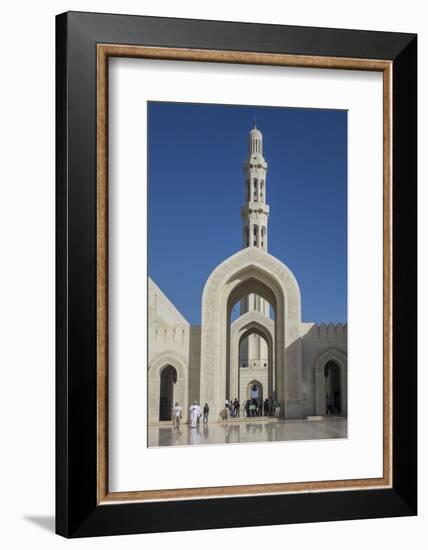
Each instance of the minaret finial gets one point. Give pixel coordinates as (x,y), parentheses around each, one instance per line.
(255,121)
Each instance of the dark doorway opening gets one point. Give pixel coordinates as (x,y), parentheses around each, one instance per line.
(333,397)
(168,378)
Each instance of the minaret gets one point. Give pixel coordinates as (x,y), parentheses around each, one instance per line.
(255,211)
(254,215)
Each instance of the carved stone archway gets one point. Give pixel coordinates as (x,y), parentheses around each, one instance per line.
(251,270)
(259,385)
(181,386)
(252,322)
(341,360)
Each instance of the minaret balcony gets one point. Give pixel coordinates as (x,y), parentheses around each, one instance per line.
(255,163)
(256,207)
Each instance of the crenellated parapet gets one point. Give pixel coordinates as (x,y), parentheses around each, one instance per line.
(167,327)
(326,331)
(166,335)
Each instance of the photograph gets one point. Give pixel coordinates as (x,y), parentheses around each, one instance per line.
(212,275)
(247,274)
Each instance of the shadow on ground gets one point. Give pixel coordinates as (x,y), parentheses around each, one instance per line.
(45,522)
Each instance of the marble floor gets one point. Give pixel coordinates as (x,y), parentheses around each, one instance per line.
(249,431)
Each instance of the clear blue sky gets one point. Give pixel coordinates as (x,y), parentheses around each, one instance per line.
(196,188)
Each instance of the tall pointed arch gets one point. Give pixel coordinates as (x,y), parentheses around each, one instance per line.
(251,271)
(341,360)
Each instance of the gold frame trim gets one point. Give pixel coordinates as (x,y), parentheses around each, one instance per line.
(104,51)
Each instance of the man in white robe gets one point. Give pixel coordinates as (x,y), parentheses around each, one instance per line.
(195,412)
(254,392)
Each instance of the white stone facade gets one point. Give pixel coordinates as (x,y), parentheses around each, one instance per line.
(301,365)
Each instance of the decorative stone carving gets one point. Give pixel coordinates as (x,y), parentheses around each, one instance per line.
(260,273)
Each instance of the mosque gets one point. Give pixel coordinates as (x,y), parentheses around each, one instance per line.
(267,350)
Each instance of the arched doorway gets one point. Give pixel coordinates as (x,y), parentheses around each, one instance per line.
(168,378)
(255,390)
(331,383)
(242,371)
(261,370)
(251,272)
(180,387)
(332,388)
(253,325)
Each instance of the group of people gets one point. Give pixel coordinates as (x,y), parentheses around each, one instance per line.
(195,414)
(232,408)
(253,407)
(258,407)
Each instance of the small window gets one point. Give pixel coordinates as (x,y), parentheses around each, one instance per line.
(265,364)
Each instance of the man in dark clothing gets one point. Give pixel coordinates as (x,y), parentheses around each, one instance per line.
(266,407)
(206,412)
(237,406)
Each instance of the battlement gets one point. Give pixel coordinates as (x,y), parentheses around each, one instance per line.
(325,331)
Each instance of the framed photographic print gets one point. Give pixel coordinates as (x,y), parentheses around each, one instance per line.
(236,274)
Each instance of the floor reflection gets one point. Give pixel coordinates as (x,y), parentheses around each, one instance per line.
(248,432)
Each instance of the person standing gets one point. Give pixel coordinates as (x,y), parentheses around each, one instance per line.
(199,414)
(266,407)
(206,413)
(194,414)
(276,407)
(254,392)
(237,407)
(176,416)
(329,405)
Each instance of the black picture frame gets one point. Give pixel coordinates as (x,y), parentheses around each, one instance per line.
(77,511)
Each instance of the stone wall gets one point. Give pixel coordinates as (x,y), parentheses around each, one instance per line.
(169,344)
(317,339)
(247,375)
(168,329)
(172,340)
